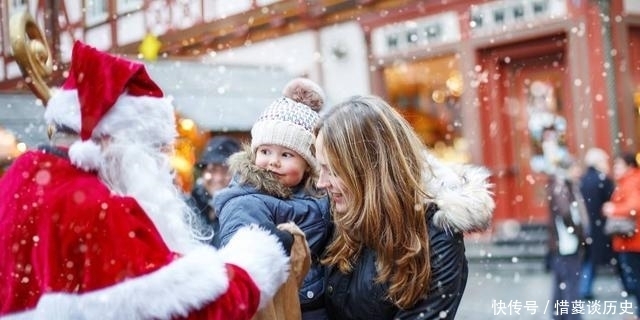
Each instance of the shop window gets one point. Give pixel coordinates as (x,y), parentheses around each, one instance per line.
(540,6)
(392,41)
(17,5)
(427,93)
(476,20)
(125,6)
(226,8)
(96,12)
(498,16)
(412,36)
(518,12)
(547,126)
(433,32)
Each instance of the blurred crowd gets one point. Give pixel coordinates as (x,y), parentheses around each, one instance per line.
(592,205)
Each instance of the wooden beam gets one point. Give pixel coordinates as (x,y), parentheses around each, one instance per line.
(278,19)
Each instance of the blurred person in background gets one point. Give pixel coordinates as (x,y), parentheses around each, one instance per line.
(569,228)
(625,202)
(596,187)
(214,173)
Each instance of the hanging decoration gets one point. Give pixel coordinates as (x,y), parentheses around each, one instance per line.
(150,47)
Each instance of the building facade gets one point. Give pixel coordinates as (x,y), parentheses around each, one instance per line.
(509,84)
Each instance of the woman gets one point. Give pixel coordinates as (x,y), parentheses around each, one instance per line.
(625,202)
(398,249)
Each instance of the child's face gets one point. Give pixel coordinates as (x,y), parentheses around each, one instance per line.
(287,165)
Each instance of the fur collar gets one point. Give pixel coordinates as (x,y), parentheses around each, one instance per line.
(246,172)
(463,195)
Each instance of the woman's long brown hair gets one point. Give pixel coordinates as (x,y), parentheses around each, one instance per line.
(380,161)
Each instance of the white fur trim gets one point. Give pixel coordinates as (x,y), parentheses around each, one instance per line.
(26,315)
(142,119)
(463,195)
(64,108)
(85,155)
(173,291)
(260,254)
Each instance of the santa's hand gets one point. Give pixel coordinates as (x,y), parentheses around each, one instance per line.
(260,251)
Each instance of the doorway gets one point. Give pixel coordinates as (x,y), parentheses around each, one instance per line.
(525,104)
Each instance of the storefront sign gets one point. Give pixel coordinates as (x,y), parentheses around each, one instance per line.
(415,34)
(499,16)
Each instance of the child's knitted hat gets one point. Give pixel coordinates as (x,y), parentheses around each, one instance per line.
(289,121)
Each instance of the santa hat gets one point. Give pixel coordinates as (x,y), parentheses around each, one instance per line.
(289,121)
(106,95)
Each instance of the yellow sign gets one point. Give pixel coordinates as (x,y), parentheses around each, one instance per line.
(150,47)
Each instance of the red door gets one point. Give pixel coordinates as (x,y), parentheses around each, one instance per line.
(524,103)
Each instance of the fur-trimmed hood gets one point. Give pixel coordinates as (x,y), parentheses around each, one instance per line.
(246,172)
(463,195)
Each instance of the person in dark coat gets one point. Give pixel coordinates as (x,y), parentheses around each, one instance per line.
(399,216)
(596,188)
(568,230)
(274,182)
(214,173)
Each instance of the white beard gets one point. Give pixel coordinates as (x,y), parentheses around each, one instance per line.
(143,173)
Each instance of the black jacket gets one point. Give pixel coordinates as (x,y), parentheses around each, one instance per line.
(464,204)
(596,189)
(348,299)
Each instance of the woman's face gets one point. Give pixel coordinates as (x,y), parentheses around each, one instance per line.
(327,180)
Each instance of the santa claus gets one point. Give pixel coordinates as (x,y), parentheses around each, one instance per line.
(92,227)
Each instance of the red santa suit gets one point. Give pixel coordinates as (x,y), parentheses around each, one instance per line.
(70,248)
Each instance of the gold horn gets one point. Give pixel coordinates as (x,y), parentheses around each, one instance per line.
(32,54)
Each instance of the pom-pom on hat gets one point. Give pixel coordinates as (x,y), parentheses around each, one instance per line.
(105,95)
(289,121)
